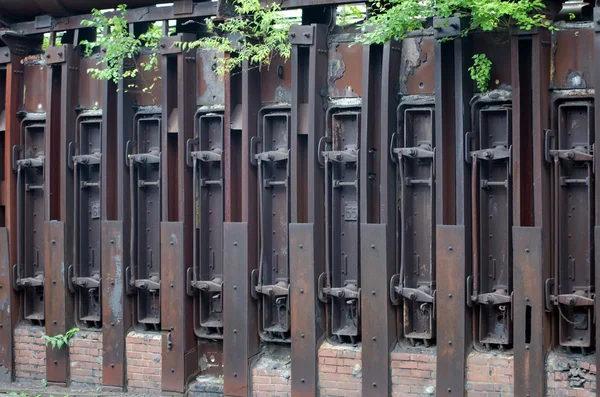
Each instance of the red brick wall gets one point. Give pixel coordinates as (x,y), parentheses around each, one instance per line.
(340,370)
(143,362)
(413,371)
(271,374)
(490,375)
(571,375)
(30,353)
(85,354)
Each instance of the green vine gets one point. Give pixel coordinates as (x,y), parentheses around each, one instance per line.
(120,45)
(350,14)
(60,340)
(395,19)
(481,71)
(257,34)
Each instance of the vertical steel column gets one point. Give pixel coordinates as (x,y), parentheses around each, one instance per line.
(62,92)
(381,73)
(179,351)
(115,216)
(240,336)
(13,98)
(307,250)
(596,79)
(531,230)
(452,95)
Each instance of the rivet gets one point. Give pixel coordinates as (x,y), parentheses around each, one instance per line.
(112,241)
(449,390)
(235,243)
(372,247)
(450,342)
(526,347)
(112,324)
(54,322)
(235,374)
(53,241)
(527,250)
(112,365)
(235,287)
(302,336)
(302,380)
(374,384)
(301,290)
(292,34)
(171,243)
(449,295)
(53,281)
(526,299)
(301,246)
(450,248)
(172,285)
(372,292)
(374,339)
(55,362)
(235,331)
(172,370)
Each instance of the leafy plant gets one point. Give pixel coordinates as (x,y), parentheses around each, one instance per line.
(349,14)
(120,45)
(395,19)
(481,71)
(256,34)
(60,340)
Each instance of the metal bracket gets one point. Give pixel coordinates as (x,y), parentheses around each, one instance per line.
(15,155)
(321,283)
(325,140)
(449,27)
(188,151)
(394,283)
(255,140)
(302,35)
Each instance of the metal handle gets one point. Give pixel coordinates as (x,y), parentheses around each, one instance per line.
(253,142)
(127,153)
(15,154)
(322,142)
(391,148)
(188,151)
(549,136)
(70,153)
(468,139)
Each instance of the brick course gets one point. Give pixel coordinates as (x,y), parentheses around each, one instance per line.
(340,370)
(271,374)
(413,371)
(30,353)
(571,375)
(85,355)
(144,368)
(490,374)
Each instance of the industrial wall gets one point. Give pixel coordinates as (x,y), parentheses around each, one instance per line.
(353,221)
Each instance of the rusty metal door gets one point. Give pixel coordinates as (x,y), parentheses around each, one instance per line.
(145,184)
(29,163)
(270,282)
(84,276)
(415,284)
(491,189)
(341,287)
(570,151)
(207,273)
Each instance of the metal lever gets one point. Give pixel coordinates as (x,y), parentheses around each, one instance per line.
(151,284)
(420,152)
(146,158)
(348,292)
(216,285)
(274,155)
(143,184)
(282,288)
(87,282)
(349,155)
(87,159)
(33,162)
(208,155)
(30,282)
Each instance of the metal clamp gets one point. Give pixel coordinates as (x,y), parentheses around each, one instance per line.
(325,140)
(15,154)
(255,140)
(188,151)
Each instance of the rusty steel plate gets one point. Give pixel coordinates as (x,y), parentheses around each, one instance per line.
(376,310)
(306,310)
(528,256)
(451,320)
(115,306)
(59,307)
(236,300)
(6,301)
(597,285)
(178,351)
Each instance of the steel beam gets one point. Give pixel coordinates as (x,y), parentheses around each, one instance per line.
(180,354)
(596,80)
(240,336)
(531,68)
(60,126)
(381,71)
(306,230)
(453,265)
(13,98)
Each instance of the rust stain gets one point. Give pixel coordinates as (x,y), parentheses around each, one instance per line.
(34,91)
(345,70)
(276,81)
(418,67)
